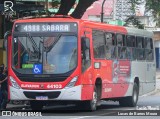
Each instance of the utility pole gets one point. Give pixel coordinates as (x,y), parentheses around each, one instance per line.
(46,2)
(114,10)
(102,11)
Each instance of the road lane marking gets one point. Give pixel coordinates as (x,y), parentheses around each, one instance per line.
(82,117)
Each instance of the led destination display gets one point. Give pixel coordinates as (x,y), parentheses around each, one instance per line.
(46,27)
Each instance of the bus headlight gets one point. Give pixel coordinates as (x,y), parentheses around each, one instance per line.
(72,82)
(14,83)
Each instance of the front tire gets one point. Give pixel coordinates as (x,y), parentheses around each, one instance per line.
(89,105)
(131,101)
(92,104)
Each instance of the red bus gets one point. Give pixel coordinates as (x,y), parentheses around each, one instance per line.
(78,61)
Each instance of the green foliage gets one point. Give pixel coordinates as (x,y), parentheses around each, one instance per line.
(133,21)
(134,3)
(55,3)
(154,6)
(151,5)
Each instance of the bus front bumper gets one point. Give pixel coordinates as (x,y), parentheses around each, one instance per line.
(73,93)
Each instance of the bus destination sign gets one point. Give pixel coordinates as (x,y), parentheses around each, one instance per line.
(46,27)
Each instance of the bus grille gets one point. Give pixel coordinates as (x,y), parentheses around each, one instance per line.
(50,95)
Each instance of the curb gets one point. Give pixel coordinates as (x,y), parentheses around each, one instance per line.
(12,106)
(157,77)
(151,93)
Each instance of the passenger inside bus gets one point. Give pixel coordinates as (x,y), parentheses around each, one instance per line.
(109,44)
(122,53)
(26,57)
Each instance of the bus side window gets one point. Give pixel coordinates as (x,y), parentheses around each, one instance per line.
(110,42)
(119,39)
(98,44)
(131,43)
(148,43)
(121,45)
(122,52)
(140,42)
(140,48)
(148,49)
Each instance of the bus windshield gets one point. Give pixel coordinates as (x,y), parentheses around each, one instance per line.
(44,55)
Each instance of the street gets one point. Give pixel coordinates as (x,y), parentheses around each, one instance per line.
(108,108)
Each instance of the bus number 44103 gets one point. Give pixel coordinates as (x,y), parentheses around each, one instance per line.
(54,86)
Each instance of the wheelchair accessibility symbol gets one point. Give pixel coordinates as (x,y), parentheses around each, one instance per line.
(37,69)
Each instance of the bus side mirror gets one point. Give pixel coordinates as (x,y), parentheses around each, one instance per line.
(7,36)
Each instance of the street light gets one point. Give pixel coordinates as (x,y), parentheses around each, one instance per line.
(102,13)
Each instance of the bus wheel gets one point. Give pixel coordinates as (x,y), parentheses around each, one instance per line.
(131,101)
(91,105)
(36,105)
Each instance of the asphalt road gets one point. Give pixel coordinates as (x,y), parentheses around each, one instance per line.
(150,102)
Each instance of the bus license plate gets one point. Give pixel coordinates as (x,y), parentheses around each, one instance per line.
(41,97)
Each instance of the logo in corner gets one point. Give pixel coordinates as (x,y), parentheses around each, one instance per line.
(8,5)
(8,10)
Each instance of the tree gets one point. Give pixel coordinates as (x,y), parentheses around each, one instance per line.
(65,7)
(151,5)
(154,6)
(133,21)
(79,10)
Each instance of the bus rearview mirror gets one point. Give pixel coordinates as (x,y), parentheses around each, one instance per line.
(7,35)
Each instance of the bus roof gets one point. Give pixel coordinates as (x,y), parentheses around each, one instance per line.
(139,32)
(106,27)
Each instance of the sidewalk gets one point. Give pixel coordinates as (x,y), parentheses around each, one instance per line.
(158,74)
(157,90)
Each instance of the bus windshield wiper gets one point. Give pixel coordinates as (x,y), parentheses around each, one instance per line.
(36,53)
(48,49)
(33,43)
